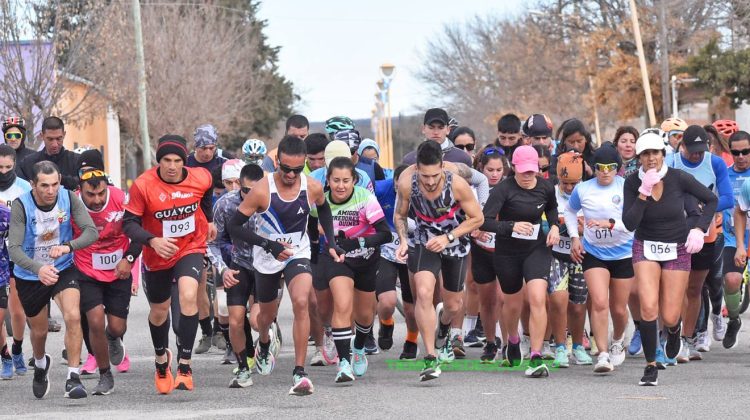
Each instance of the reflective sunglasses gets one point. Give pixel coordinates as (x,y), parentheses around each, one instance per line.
(494,150)
(676,134)
(743,152)
(88,174)
(606,167)
(287,169)
(467,147)
(13,136)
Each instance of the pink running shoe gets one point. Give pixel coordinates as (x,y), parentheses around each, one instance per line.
(124,366)
(89,367)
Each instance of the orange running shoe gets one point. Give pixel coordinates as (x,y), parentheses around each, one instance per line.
(184,379)
(164,381)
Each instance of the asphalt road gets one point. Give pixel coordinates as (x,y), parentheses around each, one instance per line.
(716,386)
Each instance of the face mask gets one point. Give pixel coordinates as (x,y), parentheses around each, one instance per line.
(7,179)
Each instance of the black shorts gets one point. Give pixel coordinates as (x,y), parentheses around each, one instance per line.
(481,266)
(240,293)
(388,273)
(618,269)
(452,268)
(4,291)
(513,269)
(34,295)
(727,254)
(115,296)
(267,285)
(158,284)
(703,259)
(363,274)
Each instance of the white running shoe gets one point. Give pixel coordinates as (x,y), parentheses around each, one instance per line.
(617,352)
(684,355)
(317,358)
(547,353)
(603,364)
(525,346)
(720,326)
(703,342)
(330,354)
(692,350)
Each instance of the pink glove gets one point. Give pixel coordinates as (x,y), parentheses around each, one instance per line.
(650,179)
(694,242)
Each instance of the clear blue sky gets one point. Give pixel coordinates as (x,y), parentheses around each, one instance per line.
(332,49)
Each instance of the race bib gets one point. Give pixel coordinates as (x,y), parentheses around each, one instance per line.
(178,228)
(659,251)
(288,238)
(532,237)
(562,246)
(601,236)
(106,261)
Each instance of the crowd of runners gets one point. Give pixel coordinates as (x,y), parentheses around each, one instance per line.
(525,247)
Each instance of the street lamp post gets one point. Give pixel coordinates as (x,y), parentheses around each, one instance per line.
(387,69)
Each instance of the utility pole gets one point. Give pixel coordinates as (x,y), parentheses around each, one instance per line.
(642,64)
(664,54)
(142,103)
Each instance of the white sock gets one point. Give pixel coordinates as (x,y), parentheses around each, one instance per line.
(470,322)
(41,363)
(498,333)
(72,370)
(455,332)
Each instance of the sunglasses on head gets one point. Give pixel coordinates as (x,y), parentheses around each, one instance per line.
(494,150)
(606,167)
(544,169)
(743,152)
(91,173)
(245,190)
(287,169)
(467,147)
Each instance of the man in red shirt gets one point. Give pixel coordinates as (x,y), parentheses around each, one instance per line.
(170,213)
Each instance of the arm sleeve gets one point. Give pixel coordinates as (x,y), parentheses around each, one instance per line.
(571,213)
(381,236)
(215,247)
(551,210)
(633,207)
(207,204)
(237,231)
(691,186)
(134,249)
(723,184)
(481,184)
(132,226)
(16,236)
(491,209)
(214,255)
(81,216)
(326,220)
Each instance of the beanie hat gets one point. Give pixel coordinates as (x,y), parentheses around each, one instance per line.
(606,154)
(91,158)
(171,144)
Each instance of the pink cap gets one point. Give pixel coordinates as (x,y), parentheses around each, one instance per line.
(525,159)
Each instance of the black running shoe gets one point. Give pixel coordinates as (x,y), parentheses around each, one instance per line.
(409,352)
(650,376)
(733,328)
(74,389)
(514,354)
(385,337)
(674,342)
(488,355)
(40,384)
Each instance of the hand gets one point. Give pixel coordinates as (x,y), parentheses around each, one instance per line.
(336,253)
(122,270)
(228,277)
(402,252)
(282,250)
(212,232)
(481,236)
(58,251)
(134,287)
(346,244)
(164,247)
(48,275)
(604,224)
(576,250)
(694,242)
(651,178)
(523,228)
(740,257)
(437,244)
(553,236)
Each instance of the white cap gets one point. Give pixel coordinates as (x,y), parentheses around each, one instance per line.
(231,169)
(649,141)
(336,148)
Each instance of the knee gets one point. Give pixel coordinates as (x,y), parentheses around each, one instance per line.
(599,304)
(299,304)
(72,316)
(387,300)
(117,331)
(236,323)
(453,306)
(694,291)
(670,320)
(424,295)
(619,312)
(732,282)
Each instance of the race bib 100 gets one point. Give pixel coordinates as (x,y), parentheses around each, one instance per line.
(659,251)
(106,261)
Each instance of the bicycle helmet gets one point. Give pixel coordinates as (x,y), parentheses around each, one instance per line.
(350,137)
(673,124)
(726,127)
(254,151)
(14,121)
(335,124)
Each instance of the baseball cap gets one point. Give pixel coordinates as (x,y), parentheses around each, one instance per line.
(336,148)
(231,169)
(695,139)
(525,159)
(570,166)
(537,125)
(649,140)
(434,115)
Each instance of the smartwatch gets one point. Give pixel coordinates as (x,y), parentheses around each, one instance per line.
(361,242)
(450,236)
(129,258)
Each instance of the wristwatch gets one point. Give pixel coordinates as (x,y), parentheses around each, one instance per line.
(69,246)
(611,224)
(450,236)
(361,242)
(129,258)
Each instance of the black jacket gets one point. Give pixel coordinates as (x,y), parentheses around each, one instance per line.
(66,161)
(22,153)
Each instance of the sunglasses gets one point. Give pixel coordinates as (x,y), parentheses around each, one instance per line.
(606,167)
(743,152)
(13,136)
(287,169)
(544,169)
(95,173)
(493,151)
(245,190)
(467,147)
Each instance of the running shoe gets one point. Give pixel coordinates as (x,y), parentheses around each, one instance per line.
(458,347)
(302,385)
(125,365)
(674,342)
(703,342)
(184,379)
(504,362)
(720,326)
(636,346)
(116,350)
(537,368)
(661,360)
(264,363)
(440,335)
(513,354)
(445,353)
(385,337)
(409,352)
(345,373)
(229,358)
(431,369)
(730,338)
(650,376)
(359,361)
(106,384)
(586,342)
(163,379)
(53,326)
(317,358)
(561,357)
(594,349)
(617,352)
(371,347)
(525,345)
(581,357)
(89,367)
(40,384)
(684,355)
(7,372)
(692,350)
(547,353)
(277,332)
(489,353)
(204,345)
(275,346)
(18,364)
(330,354)
(603,364)
(241,379)
(472,340)
(219,341)
(74,389)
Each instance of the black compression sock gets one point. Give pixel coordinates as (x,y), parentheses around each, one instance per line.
(299,370)
(360,335)
(188,328)
(264,346)
(4,352)
(160,337)
(249,346)
(242,359)
(225,332)
(206,328)
(17,347)
(650,339)
(342,337)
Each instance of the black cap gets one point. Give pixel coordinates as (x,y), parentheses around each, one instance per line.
(606,154)
(92,159)
(434,115)
(695,139)
(537,125)
(169,144)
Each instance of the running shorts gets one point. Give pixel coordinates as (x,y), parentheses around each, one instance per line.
(481,266)
(513,270)
(158,284)
(452,268)
(239,294)
(267,285)
(682,263)
(363,275)
(618,269)
(115,296)
(35,296)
